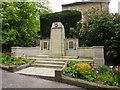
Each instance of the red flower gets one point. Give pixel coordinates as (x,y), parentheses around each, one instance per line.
(6,52)
(91,64)
(9,53)
(95,68)
(117,68)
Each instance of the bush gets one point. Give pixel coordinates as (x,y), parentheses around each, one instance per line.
(103,69)
(109,79)
(84,69)
(108,75)
(77,69)
(91,78)
(71,69)
(71,63)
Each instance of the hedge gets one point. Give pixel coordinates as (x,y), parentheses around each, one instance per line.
(68,18)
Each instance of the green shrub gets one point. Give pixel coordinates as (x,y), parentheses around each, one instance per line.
(77,69)
(84,69)
(91,77)
(71,63)
(109,79)
(71,69)
(103,69)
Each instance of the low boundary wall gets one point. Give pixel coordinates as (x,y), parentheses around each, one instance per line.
(96,52)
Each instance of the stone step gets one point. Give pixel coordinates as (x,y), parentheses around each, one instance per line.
(63,59)
(47,65)
(47,56)
(41,56)
(49,62)
(38,71)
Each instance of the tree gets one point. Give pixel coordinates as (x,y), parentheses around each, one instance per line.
(20,23)
(44,7)
(103,29)
(75,32)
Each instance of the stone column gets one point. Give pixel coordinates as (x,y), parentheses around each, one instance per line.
(57,38)
(98,55)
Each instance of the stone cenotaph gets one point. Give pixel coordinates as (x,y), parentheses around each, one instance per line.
(57,38)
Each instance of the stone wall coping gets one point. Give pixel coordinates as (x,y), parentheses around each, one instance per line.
(98,46)
(23,47)
(85,47)
(71,38)
(90,47)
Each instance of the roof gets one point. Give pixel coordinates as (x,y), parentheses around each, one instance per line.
(84,1)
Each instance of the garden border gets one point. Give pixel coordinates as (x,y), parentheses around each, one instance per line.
(81,83)
(13,68)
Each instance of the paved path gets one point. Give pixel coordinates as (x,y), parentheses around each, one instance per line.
(13,80)
(38,71)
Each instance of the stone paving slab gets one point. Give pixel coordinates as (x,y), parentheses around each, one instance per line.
(38,71)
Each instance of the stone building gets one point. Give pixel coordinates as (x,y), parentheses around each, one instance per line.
(84,5)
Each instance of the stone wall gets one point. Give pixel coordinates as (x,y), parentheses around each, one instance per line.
(28,51)
(86,6)
(85,52)
(98,55)
(96,52)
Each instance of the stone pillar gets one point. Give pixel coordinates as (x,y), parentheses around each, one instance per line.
(57,38)
(98,55)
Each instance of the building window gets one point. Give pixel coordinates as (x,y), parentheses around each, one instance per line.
(71,46)
(73,9)
(45,45)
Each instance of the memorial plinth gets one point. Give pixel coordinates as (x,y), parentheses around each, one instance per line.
(57,39)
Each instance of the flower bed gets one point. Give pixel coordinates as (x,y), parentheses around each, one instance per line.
(98,74)
(7,59)
(13,64)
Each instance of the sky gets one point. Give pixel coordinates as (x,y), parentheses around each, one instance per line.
(113,6)
(56,5)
